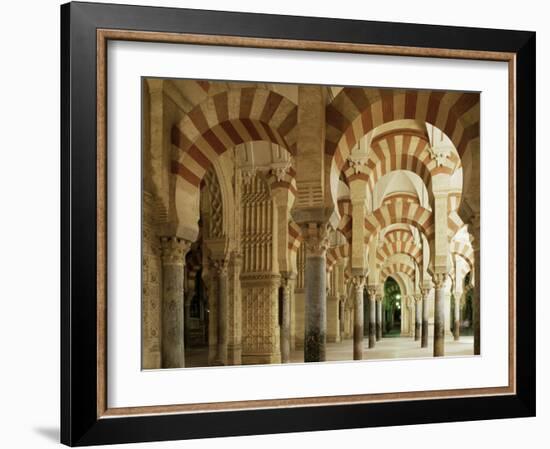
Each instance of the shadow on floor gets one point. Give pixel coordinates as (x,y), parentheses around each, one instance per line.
(50,433)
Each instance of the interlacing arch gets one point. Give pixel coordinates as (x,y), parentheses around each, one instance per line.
(356,111)
(228,119)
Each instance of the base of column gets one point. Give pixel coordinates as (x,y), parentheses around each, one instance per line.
(234,355)
(372,337)
(424,338)
(358,343)
(439,342)
(456,331)
(315,348)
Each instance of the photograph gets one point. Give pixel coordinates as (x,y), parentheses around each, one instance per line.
(296,223)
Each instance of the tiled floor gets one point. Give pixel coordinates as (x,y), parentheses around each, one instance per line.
(387,348)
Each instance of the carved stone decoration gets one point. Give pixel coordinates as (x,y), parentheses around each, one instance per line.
(439,280)
(280,169)
(173,261)
(439,154)
(173,250)
(371,290)
(316,239)
(248,174)
(358,162)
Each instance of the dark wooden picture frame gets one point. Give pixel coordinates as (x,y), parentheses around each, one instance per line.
(86,27)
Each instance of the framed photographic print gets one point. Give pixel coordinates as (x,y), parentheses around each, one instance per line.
(279,224)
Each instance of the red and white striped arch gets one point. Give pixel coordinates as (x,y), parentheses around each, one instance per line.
(397,267)
(356,111)
(400,211)
(336,253)
(465,250)
(345,224)
(226,120)
(295,234)
(401,149)
(399,241)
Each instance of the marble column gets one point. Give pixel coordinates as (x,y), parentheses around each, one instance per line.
(439,314)
(173,266)
(285,317)
(365,313)
(456,325)
(222,302)
(358,316)
(379,322)
(316,242)
(425,317)
(372,316)
(341,313)
(417,316)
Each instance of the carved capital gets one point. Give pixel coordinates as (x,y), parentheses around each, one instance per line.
(315,239)
(248,174)
(371,290)
(438,155)
(358,282)
(280,169)
(173,250)
(379,297)
(219,266)
(286,279)
(358,162)
(439,280)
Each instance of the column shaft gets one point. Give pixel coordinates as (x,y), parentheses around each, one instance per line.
(456,325)
(417,318)
(378,319)
(315,312)
(372,320)
(358,315)
(222,314)
(341,317)
(285,324)
(425,320)
(173,253)
(439,315)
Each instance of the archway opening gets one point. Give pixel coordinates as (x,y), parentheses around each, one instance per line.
(392,308)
